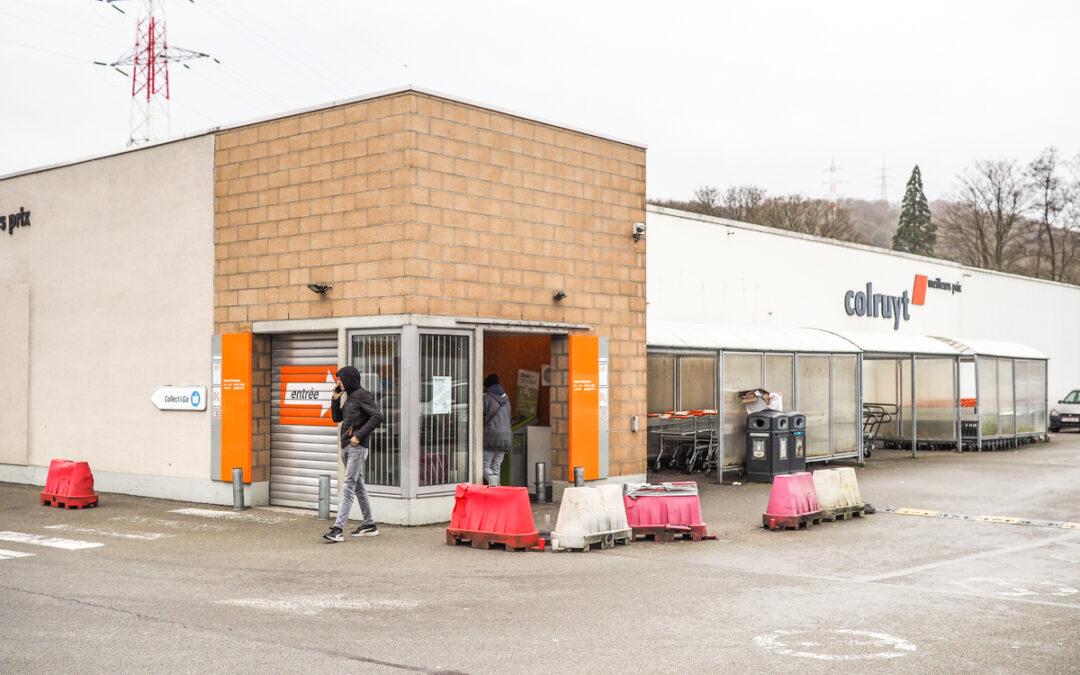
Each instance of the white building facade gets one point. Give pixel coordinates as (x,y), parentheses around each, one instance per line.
(731,284)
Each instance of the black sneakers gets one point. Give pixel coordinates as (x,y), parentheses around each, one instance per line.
(366,531)
(334,535)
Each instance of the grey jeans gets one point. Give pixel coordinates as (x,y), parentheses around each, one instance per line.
(354,457)
(493,465)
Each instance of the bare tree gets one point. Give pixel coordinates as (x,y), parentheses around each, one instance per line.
(983,224)
(818,217)
(743,203)
(1051,197)
(750,204)
(707,200)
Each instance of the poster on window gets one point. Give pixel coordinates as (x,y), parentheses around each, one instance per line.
(528,395)
(441,389)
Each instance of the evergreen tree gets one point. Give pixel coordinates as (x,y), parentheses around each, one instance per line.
(916,233)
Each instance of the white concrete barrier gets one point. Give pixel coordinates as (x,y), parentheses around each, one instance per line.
(849,486)
(591,515)
(827,486)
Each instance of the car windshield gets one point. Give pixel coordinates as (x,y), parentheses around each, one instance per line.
(1073,397)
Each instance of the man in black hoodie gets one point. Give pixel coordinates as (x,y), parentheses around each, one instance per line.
(358,418)
(496,428)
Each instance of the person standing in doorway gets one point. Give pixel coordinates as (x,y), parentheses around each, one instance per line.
(359,416)
(496,428)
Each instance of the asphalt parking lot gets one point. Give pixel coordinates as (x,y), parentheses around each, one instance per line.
(149,585)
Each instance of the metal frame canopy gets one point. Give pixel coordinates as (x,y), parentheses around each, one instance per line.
(1011,395)
(1009,350)
(1014,380)
(817,371)
(950,393)
(677,335)
(912,366)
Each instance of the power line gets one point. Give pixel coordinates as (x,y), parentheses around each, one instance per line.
(269,47)
(59,28)
(94,22)
(368,42)
(47,51)
(884,181)
(319,68)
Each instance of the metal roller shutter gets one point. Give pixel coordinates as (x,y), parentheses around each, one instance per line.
(303,437)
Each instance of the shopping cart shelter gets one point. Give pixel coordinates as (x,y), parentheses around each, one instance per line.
(877,348)
(699,367)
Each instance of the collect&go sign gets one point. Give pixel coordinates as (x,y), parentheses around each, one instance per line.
(896,308)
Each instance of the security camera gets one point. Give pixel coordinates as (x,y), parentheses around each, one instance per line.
(639,231)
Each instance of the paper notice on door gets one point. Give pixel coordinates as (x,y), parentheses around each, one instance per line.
(528,394)
(441,399)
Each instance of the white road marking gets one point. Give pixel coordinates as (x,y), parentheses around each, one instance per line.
(51,542)
(7,555)
(230,515)
(843,644)
(1013,588)
(171,524)
(966,558)
(311,605)
(142,536)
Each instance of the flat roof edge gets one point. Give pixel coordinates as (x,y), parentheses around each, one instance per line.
(394,91)
(764,229)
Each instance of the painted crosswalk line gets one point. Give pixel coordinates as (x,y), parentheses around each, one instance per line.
(170,524)
(139,536)
(231,515)
(310,605)
(51,542)
(7,555)
(1000,520)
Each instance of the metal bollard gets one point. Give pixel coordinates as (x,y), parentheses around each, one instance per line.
(541,482)
(579,476)
(324,497)
(237,489)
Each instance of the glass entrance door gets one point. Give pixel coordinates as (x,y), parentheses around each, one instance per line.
(444,424)
(378,358)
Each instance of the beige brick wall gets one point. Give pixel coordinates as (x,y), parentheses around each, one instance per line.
(416,204)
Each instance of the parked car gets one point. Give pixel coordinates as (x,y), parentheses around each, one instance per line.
(1066,414)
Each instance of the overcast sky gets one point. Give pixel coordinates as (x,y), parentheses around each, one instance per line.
(723,93)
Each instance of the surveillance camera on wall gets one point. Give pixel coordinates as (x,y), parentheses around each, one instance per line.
(639,231)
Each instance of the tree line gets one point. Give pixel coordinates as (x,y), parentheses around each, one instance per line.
(1002,215)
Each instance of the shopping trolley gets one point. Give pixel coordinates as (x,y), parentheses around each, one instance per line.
(705,441)
(874,416)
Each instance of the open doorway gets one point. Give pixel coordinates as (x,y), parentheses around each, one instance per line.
(522,362)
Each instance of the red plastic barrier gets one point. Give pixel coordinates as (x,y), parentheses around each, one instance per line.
(59,475)
(69,485)
(486,514)
(663,517)
(657,511)
(792,502)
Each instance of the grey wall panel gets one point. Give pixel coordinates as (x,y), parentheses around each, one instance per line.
(15,373)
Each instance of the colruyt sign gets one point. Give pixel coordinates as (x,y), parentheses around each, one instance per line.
(896,308)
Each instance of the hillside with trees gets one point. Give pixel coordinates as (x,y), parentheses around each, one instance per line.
(1001,215)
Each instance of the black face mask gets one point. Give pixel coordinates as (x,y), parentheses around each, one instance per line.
(350,378)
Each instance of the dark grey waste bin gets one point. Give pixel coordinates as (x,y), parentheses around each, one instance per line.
(767,452)
(797,429)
